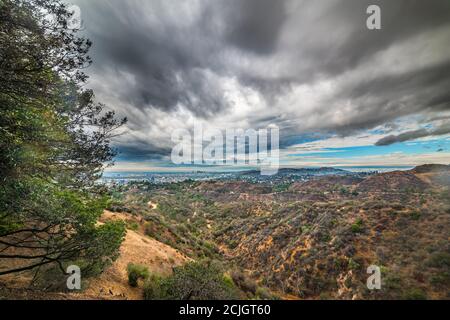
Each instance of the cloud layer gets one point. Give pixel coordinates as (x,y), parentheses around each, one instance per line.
(310,67)
(415,134)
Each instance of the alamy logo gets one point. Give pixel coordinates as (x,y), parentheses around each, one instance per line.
(238,147)
(74,280)
(374,20)
(374,281)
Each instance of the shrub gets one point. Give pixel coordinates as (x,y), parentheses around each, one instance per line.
(393,282)
(228,281)
(415,215)
(325,238)
(415,294)
(136,272)
(305,229)
(156,288)
(441,279)
(116,203)
(243,282)
(357,227)
(233,244)
(325,296)
(265,294)
(193,281)
(439,260)
(133,225)
(152,229)
(353,265)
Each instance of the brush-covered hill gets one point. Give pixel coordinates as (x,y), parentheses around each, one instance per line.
(436,174)
(112,284)
(306,240)
(393,181)
(315,239)
(431,168)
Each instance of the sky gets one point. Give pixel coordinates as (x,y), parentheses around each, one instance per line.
(341,94)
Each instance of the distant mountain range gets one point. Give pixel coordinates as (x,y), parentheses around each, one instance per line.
(301,171)
(283,175)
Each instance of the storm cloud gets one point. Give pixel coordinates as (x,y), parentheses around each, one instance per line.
(412,135)
(306,66)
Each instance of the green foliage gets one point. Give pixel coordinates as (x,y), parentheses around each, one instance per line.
(414,294)
(325,296)
(305,229)
(243,282)
(115,205)
(353,265)
(228,281)
(133,225)
(55,142)
(233,243)
(194,281)
(358,226)
(281,187)
(136,272)
(415,215)
(263,293)
(156,288)
(393,282)
(441,279)
(325,237)
(439,260)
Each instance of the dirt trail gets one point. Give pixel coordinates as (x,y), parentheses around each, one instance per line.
(138,249)
(112,284)
(152,205)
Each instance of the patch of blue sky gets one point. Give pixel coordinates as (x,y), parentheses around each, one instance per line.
(305,138)
(412,148)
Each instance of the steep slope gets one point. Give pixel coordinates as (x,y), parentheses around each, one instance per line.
(308,240)
(438,175)
(325,183)
(428,168)
(137,249)
(113,283)
(317,238)
(393,182)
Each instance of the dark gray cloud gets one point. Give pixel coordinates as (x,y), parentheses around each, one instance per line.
(141,152)
(410,135)
(415,134)
(157,57)
(255,25)
(400,19)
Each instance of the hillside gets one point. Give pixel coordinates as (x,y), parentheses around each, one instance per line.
(431,168)
(438,175)
(304,240)
(315,239)
(393,181)
(137,249)
(113,282)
